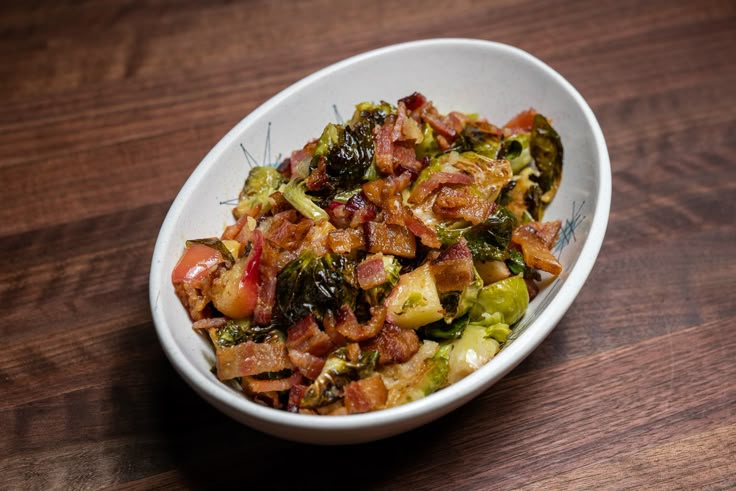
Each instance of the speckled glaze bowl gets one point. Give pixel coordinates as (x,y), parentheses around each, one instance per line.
(491,79)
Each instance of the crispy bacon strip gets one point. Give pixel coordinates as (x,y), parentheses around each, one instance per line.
(347,240)
(251,358)
(533,248)
(428,236)
(424,189)
(368,394)
(390,239)
(305,335)
(253,385)
(382,147)
(547,231)
(371,272)
(210,323)
(308,365)
(456,203)
(394,344)
(348,325)
(453,268)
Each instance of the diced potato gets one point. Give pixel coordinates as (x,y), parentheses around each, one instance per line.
(414,300)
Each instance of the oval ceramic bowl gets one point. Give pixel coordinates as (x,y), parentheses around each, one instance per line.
(493,80)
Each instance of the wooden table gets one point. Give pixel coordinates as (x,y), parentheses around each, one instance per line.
(106,108)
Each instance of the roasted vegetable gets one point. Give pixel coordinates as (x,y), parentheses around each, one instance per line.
(254,198)
(338,372)
(295,192)
(311,284)
(489,241)
(414,302)
(507,297)
(378,293)
(546,150)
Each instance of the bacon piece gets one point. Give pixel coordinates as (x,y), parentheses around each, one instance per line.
(364,395)
(284,168)
(361,208)
(390,239)
(305,335)
(213,323)
(371,272)
(414,101)
(329,323)
(318,178)
(547,231)
(400,119)
(288,231)
(347,240)
(232,231)
(348,326)
(308,365)
(253,385)
(440,124)
(394,344)
(427,235)
(520,123)
(379,190)
(266,296)
(453,268)
(251,358)
(536,253)
(424,189)
(382,146)
(295,397)
(455,203)
(405,157)
(298,155)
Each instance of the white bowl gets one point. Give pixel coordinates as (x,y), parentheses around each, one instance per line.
(490,79)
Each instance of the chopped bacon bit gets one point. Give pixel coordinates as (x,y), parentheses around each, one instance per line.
(455,203)
(414,101)
(536,253)
(284,168)
(424,189)
(287,232)
(364,395)
(405,158)
(346,241)
(348,326)
(394,344)
(453,268)
(251,358)
(318,178)
(427,235)
(279,203)
(308,365)
(295,397)
(371,272)
(364,215)
(400,119)
(440,124)
(522,122)
(305,335)
(214,323)
(195,298)
(329,323)
(390,239)
(458,120)
(340,216)
(253,385)
(380,190)
(547,231)
(353,351)
(382,147)
(266,296)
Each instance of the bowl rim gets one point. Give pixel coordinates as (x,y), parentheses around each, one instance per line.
(448,398)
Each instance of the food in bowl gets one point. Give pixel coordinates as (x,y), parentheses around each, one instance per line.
(381,262)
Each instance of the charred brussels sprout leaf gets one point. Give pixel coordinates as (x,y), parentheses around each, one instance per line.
(311,284)
(378,293)
(546,150)
(240,331)
(336,374)
(262,182)
(489,241)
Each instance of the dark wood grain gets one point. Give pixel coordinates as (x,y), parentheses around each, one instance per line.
(107,107)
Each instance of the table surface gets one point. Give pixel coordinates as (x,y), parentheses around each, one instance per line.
(107,107)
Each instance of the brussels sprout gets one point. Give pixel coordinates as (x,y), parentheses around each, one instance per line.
(295,192)
(515,149)
(489,175)
(311,284)
(261,183)
(423,374)
(508,297)
(239,331)
(546,150)
(337,372)
(473,350)
(429,145)
(489,241)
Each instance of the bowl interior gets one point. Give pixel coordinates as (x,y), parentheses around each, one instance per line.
(493,80)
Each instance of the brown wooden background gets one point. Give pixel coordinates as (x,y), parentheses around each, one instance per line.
(107,106)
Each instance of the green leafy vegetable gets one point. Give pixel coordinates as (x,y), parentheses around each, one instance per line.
(240,331)
(508,297)
(312,284)
(378,293)
(489,241)
(546,150)
(261,183)
(337,372)
(295,192)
